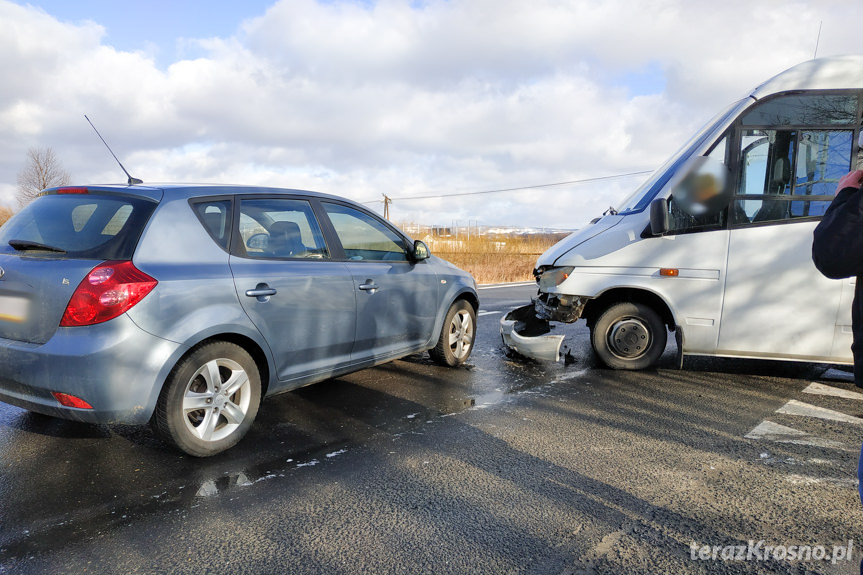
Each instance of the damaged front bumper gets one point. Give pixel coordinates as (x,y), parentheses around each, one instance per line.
(526,329)
(526,334)
(556,307)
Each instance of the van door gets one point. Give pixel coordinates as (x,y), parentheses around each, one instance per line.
(791,152)
(843,336)
(696,246)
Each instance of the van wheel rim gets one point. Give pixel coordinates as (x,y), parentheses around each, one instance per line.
(460,334)
(216,400)
(629,338)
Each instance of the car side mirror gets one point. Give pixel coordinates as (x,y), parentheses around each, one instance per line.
(258,242)
(659,217)
(420,252)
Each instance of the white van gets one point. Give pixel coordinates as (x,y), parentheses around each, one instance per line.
(736,283)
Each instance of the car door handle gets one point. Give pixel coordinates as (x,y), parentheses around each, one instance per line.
(262,292)
(369,286)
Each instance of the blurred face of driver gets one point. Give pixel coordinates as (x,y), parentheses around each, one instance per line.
(704,188)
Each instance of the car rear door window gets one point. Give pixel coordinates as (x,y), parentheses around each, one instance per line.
(364,237)
(279,228)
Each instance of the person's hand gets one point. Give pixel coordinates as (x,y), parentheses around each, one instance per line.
(850,180)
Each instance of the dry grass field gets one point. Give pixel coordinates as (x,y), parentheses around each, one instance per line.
(492,258)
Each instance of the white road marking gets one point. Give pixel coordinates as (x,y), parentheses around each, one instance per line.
(798,479)
(484,312)
(821,389)
(794,407)
(782,434)
(515,284)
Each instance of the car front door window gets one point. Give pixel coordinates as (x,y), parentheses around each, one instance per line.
(363,237)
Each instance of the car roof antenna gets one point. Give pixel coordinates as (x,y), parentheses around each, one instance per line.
(132,181)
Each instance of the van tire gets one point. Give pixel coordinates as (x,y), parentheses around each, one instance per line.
(225,413)
(629,335)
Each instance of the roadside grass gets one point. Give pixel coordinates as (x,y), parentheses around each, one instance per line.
(493,258)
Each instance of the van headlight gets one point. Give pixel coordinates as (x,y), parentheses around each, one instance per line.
(554,276)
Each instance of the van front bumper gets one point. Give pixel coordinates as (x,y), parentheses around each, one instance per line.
(559,307)
(526,334)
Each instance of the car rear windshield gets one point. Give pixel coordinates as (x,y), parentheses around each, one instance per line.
(86,226)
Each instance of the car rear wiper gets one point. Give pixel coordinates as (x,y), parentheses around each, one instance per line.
(22,245)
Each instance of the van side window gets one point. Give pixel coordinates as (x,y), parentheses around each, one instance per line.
(789,166)
(786,174)
(681,222)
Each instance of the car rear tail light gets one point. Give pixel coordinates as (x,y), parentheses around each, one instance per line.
(67,400)
(73,190)
(109,290)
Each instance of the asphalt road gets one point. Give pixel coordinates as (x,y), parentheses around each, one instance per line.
(507,466)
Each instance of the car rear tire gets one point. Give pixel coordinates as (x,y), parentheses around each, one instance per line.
(455,343)
(210,400)
(629,336)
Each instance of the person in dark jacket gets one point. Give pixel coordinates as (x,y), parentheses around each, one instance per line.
(837,250)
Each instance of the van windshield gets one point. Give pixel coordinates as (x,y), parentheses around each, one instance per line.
(642,196)
(85,226)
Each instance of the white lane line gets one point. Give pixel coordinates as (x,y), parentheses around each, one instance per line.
(514,284)
(783,434)
(821,389)
(798,479)
(795,407)
(484,312)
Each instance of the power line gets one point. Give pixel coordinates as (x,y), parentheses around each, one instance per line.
(566,183)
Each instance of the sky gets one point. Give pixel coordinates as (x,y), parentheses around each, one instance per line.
(408,98)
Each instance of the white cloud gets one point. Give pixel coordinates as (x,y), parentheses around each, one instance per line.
(406,98)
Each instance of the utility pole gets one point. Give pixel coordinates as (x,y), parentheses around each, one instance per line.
(387,202)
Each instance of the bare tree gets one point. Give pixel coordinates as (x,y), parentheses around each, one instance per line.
(5,214)
(42,170)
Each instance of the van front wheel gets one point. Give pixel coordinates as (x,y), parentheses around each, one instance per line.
(629,336)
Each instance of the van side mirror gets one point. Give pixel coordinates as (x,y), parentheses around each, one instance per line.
(659,217)
(420,252)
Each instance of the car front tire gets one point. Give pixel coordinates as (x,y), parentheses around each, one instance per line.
(629,336)
(457,336)
(210,400)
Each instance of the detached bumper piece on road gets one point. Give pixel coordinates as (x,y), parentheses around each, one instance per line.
(528,335)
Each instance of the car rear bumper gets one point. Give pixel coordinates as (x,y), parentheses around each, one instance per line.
(115,367)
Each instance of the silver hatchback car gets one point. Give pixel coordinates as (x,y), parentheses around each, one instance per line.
(183,306)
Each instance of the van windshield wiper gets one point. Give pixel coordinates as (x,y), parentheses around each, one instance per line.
(23,245)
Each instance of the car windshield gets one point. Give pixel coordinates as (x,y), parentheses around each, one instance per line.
(642,196)
(87,226)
